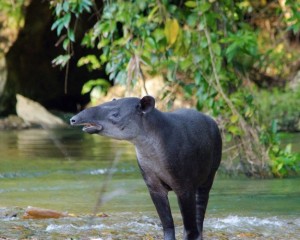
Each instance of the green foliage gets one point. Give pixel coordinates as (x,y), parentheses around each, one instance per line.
(279,110)
(204,47)
(65,12)
(283,161)
(294,19)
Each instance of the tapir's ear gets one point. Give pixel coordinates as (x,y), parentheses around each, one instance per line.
(147,103)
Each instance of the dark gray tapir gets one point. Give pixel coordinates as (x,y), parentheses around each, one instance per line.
(179,151)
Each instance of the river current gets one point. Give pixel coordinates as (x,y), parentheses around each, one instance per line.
(69,171)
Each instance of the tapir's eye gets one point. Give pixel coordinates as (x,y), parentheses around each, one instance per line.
(115,114)
(114,117)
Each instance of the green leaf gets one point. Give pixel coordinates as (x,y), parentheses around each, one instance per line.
(198,78)
(153,12)
(151,43)
(59,29)
(66,43)
(190,4)
(55,24)
(200,105)
(249,112)
(204,6)
(58,8)
(66,20)
(274,127)
(216,49)
(91,61)
(288,148)
(86,4)
(65,6)
(279,167)
(187,39)
(192,19)
(71,35)
(188,89)
(105,41)
(228,138)
(121,77)
(158,34)
(231,51)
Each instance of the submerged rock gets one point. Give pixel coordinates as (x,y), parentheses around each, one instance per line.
(13,122)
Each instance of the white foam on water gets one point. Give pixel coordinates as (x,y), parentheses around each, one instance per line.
(137,227)
(269,226)
(68,228)
(237,221)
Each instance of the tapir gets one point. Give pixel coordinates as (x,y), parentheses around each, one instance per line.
(177,151)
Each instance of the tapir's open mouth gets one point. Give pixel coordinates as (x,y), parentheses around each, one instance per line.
(91,128)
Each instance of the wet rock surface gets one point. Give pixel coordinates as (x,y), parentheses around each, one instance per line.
(30,114)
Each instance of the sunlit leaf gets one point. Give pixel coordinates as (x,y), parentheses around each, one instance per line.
(153,12)
(234,118)
(100,82)
(61,60)
(191,4)
(171,30)
(235,130)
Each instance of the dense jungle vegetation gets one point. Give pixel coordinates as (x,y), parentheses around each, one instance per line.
(236,60)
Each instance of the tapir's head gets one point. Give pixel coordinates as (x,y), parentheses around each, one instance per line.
(120,119)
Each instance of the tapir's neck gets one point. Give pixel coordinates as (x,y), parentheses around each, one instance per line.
(153,132)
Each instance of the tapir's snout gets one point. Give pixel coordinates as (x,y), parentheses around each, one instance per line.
(74,120)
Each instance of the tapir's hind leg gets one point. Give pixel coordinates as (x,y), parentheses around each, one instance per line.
(202,196)
(187,205)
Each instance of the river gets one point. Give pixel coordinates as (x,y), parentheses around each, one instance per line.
(67,170)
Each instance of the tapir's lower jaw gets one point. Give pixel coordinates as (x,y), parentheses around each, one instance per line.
(92,129)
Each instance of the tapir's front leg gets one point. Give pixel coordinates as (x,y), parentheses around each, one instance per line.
(160,199)
(162,205)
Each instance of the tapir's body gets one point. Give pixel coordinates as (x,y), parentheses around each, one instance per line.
(178,151)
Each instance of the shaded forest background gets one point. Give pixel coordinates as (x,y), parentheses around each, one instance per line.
(236,60)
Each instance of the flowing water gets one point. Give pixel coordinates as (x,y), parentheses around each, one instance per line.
(69,171)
